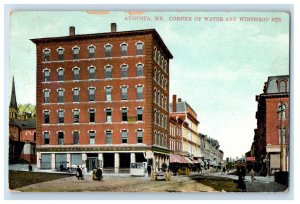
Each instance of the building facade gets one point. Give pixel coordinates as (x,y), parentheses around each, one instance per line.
(272,123)
(101,99)
(184,119)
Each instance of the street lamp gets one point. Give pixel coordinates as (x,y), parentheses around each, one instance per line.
(280,110)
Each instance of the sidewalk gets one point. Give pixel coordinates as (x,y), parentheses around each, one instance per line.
(264,184)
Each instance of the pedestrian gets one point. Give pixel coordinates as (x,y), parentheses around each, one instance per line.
(79,173)
(252,173)
(149,170)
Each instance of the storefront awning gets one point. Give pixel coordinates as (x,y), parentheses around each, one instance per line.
(179,159)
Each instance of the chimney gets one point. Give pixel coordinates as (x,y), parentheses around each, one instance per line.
(174,104)
(71,30)
(179,100)
(113,27)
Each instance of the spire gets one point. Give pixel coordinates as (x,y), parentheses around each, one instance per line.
(13,99)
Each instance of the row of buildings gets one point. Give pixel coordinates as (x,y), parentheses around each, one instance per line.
(103,100)
(270,148)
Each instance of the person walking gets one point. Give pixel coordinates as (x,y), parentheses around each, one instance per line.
(79,173)
(149,170)
(252,173)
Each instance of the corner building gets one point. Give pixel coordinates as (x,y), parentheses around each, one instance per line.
(95,100)
(273,123)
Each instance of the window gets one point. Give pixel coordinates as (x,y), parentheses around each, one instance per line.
(124,49)
(124,92)
(47,75)
(282,87)
(60,138)
(154,74)
(46,117)
(158,78)
(46,55)
(283,135)
(158,138)
(155,117)
(154,53)
(46,138)
(91,94)
(165,125)
(60,96)
(158,57)
(92,71)
(46,96)
(139,70)
(76,116)
(91,52)
(281,111)
(162,120)
(124,114)
(76,53)
(108,73)
(124,136)
(76,137)
(60,116)
(139,48)
(165,67)
(158,98)
(60,52)
(162,101)
(75,95)
(92,115)
(108,115)
(139,92)
(158,118)
(139,113)
(92,136)
(108,50)
(60,75)
(124,71)
(76,73)
(139,136)
(108,137)
(155,97)
(154,138)
(108,93)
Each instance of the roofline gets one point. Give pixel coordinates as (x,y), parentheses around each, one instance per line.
(107,34)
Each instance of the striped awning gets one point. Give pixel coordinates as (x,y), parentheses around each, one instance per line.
(179,159)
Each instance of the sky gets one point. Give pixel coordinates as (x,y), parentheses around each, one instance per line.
(218,66)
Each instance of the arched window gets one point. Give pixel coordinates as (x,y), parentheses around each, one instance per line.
(158,77)
(158,58)
(154,74)
(281,108)
(282,86)
(154,53)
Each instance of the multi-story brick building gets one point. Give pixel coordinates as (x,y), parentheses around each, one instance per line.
(185,121)
(272,120)
(102,99)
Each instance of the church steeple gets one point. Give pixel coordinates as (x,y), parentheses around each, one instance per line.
(13,106)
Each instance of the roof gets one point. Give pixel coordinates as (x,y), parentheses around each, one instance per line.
(271,85)
(23,124)
(106,35)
